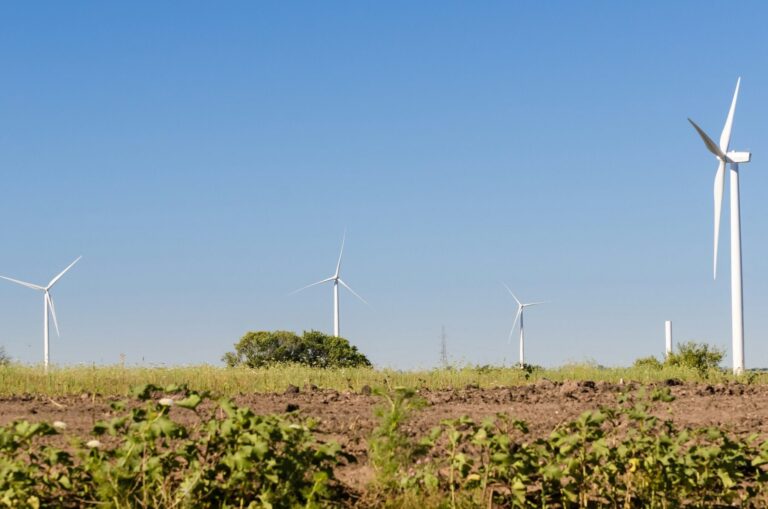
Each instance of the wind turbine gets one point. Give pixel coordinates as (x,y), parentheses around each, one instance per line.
(47,304)
(724,156)
(520,312)
(336,278)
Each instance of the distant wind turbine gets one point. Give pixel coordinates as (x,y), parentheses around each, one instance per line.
(725,156)
(336,278)
(47,305)
(520,312)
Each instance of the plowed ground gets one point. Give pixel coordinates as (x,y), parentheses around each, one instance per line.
(348,417)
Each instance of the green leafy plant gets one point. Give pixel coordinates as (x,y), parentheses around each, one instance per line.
(390,449)
(146,458)
(312,348)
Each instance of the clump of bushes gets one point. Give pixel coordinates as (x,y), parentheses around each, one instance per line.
(266,348)
(699,356)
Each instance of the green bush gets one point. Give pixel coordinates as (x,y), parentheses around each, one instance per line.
(699,356)
(648,363)
(692,355)
(265,348)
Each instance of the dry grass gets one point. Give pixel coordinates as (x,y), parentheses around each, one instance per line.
(117,380)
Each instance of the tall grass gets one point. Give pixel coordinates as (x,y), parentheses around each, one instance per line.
(117,380)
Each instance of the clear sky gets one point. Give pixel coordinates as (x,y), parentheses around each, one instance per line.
(205,158)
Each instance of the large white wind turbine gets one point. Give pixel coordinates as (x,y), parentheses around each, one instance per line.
(47,305)
(724,156)
(520,312)
(336,278)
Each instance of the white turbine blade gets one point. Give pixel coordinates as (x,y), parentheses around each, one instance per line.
(345,285)
(53,312)
(54,280)
(708,141)
(22,283)
(338,264)
(313,284)
(513,295)
(534,304)
(725,136)
(719,187)
(519,312)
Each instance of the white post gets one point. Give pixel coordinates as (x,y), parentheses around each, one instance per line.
(336,308)
(45,332)
(522,341)
(668,335)
(737,295)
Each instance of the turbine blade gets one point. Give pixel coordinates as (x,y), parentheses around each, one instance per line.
(514,323)
(22,283)
(513,295)
(708,141)
(534,304)
(719,187)
(345,285)
(310,286)
(338,264)
(53,312)
(725,136)
(54,280)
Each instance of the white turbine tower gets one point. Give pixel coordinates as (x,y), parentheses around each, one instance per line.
(520,312)
(724,156)
(47,305)
(336,278)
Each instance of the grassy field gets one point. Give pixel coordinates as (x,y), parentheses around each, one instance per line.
(117,380)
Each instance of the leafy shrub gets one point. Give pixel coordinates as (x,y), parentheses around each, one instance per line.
(313,348)
(699,356)
(648,363)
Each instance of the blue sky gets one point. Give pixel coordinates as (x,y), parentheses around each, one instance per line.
(205,159)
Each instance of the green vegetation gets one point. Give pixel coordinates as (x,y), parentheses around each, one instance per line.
(147,458)
(151,456)
(5,359)
(315,349)
(117,380)
(390,450)
(612,457)
(700,357)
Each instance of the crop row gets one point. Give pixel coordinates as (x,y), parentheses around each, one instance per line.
(226,456)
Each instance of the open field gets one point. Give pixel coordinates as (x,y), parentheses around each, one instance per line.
(344,410)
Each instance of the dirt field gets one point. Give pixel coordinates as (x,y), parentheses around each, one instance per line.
(349,417)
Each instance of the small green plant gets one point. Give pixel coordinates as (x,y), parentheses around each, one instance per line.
(312,348)
(391,450)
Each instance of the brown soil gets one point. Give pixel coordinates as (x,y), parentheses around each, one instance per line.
(348,418)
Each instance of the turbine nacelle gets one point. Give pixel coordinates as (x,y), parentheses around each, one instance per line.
(738,157)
